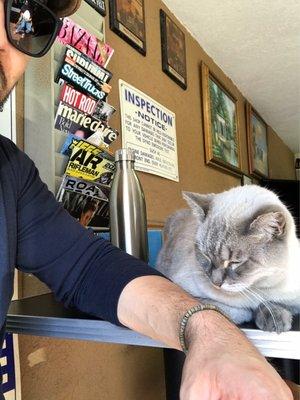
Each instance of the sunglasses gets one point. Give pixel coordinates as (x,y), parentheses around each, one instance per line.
(31,26)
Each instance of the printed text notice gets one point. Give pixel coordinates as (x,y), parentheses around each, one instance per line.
(149,129)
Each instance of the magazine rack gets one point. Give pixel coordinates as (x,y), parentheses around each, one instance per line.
(42,141)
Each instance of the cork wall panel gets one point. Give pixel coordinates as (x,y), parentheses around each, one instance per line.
(145,73)
(281,159)
(76,370)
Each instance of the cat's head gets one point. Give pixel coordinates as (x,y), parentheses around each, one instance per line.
(241,241)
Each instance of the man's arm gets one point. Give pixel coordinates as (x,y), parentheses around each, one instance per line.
(221,363)
(83,271)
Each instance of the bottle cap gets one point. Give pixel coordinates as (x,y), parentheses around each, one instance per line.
(125,155)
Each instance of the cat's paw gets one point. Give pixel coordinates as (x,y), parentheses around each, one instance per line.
(275,319)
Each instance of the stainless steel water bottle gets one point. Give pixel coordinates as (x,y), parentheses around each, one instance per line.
(128,217)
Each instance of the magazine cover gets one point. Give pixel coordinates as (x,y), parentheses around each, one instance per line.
(97,109)
(90,163)
(105,136)
(81,66)
(84,126)
(103,111)
(74,35)
(87,202)
(78,100)
(81,60)
(82,81)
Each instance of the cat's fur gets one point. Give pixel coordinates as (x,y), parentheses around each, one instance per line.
(239,250)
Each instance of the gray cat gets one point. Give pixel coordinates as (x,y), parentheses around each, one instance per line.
(239,250)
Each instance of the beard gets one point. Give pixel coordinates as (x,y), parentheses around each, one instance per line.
(4,92)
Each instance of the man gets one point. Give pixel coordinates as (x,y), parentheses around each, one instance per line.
(88,212)
(24,25)
(39,237)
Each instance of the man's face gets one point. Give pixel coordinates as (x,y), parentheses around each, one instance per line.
(86,217)
(79,133)
(12,61)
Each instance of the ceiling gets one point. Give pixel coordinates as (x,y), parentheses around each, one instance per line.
(257,44)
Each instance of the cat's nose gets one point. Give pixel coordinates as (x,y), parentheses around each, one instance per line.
(218,276)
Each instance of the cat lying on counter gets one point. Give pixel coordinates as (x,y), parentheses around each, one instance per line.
(238,250)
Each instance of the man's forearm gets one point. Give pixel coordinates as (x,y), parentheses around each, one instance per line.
(218,350)
(155,306)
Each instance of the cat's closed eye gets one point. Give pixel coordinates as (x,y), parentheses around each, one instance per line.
(235,264)
(203,259)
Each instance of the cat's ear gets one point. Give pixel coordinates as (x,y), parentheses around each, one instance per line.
(268,226)
(199,203)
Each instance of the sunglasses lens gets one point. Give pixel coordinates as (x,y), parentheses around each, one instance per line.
(31,27)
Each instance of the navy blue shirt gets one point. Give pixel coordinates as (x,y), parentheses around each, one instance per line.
(39,237)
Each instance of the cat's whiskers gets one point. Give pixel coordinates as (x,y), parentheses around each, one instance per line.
(247,297)
(274,305)
(253,302)
(255,290)
(259,290)
(265,303)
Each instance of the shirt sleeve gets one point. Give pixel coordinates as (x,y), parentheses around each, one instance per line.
(83,271)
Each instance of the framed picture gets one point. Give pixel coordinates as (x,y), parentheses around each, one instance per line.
(98,5)
(221,128)
(246,180)
(127,19)
(257,139)
(173,50)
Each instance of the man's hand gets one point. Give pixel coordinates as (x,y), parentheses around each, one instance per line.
(221,364)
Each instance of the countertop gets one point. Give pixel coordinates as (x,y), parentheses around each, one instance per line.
(43,316)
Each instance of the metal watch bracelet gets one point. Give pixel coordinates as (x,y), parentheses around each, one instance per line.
(185,319)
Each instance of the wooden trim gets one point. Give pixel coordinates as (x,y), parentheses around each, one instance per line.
(155,224)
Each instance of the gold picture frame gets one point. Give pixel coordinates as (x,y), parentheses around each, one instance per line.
(220,124)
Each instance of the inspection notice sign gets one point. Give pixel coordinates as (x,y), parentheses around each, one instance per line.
(149,129)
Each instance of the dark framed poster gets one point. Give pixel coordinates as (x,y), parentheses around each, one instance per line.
(98,5)
(127,19)
(257,135)
(173,50)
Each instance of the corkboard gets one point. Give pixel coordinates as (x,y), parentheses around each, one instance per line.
(281,159)
(164,196)
(76,370)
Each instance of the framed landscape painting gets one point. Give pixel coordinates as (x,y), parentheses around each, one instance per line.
(257,139)
(127,19)
(173,50)
(221,130)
